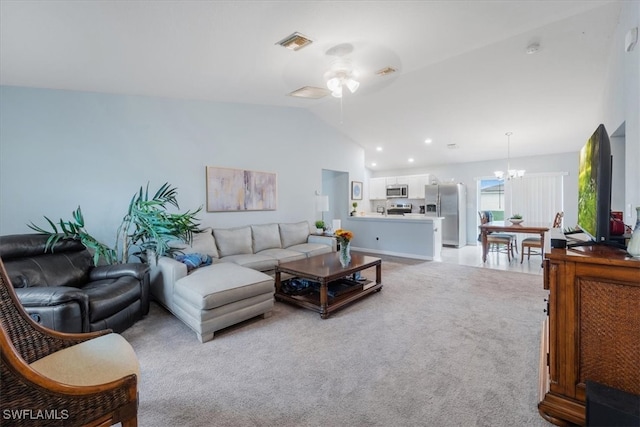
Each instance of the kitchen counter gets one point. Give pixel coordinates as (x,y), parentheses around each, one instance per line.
(410,235)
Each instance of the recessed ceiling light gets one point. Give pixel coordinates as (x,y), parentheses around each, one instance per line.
(310,92)
(295,41)
(410,159)
(428,141)
(378,148)
(373,164)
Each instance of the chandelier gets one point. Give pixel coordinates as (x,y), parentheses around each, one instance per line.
(341,75)
(511,173)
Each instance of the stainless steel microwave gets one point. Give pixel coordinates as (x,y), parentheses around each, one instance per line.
(397,191)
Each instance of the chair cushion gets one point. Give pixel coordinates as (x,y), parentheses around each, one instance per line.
(265,236)
(96,361)
(233,241)
(294,233)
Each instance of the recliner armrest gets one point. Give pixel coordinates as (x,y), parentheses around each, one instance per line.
(62,308)
(39,296)
(103,272)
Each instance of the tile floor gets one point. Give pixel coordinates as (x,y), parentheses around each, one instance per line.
(472,255)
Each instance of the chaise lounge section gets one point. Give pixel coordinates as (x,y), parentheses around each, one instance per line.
(238,285)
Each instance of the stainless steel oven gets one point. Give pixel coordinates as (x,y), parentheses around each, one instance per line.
(397,191)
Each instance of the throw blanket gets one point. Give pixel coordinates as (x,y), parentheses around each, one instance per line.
(193,261)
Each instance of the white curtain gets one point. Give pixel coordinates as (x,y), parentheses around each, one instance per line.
(537,197)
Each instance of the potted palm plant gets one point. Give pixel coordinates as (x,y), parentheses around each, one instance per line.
(146,227)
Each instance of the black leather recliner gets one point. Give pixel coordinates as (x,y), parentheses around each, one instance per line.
(62,289)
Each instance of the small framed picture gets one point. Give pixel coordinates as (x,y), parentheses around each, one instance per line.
(356,190)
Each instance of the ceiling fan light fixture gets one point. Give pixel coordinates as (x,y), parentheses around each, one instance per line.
(353,85)
(295,41)
(334,83)
(336,80)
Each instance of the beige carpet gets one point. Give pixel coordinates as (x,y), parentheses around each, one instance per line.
(440,345)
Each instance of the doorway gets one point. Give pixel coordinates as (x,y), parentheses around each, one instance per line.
(335,184)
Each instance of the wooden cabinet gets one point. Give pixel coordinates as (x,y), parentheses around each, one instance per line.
(592,331)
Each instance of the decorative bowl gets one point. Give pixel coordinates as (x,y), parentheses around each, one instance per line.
(516,220)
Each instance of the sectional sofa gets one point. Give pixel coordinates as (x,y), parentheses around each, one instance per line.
(239,283)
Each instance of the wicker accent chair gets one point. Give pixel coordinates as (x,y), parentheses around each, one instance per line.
(500,242)
(50,378)
(535,242)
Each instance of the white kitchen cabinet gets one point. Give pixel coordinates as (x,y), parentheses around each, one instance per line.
(377,188)
(416,185)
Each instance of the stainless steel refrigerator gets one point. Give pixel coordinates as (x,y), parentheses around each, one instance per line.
(448,201)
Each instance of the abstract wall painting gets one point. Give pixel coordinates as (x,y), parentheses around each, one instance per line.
(237,190)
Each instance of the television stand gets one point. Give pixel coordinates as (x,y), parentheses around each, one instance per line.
(609,243)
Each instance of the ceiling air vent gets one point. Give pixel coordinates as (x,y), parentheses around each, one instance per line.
(386,71)
(452,146)
(295,41)
(310,92)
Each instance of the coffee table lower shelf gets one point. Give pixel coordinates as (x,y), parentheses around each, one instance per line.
(312,301)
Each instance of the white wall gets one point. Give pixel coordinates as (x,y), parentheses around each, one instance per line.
(61,149)
(622,103)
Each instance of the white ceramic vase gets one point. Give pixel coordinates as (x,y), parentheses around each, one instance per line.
(633,248)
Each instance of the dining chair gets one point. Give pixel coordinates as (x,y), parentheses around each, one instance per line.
(536,242)
(500,242)
(51,378)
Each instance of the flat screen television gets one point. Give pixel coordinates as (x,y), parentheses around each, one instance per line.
(594,186)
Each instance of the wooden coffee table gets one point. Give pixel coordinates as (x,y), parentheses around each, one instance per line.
(326,269)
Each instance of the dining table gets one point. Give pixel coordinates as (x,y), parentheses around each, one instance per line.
(508,227)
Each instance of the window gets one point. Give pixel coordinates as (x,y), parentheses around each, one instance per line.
(537,197)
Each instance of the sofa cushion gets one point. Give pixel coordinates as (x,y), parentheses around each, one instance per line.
(283,255)
(294,233)
(256,262)
(311,249)
(265,236)
(233,241)
(222,284)
(202,243)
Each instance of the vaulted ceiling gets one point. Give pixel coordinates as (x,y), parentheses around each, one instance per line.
(463,75)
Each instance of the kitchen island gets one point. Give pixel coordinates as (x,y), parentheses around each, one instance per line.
(412,235)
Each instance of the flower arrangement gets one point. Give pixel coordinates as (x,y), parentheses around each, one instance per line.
(344,236)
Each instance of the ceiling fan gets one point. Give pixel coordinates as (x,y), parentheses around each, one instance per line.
(347,67)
